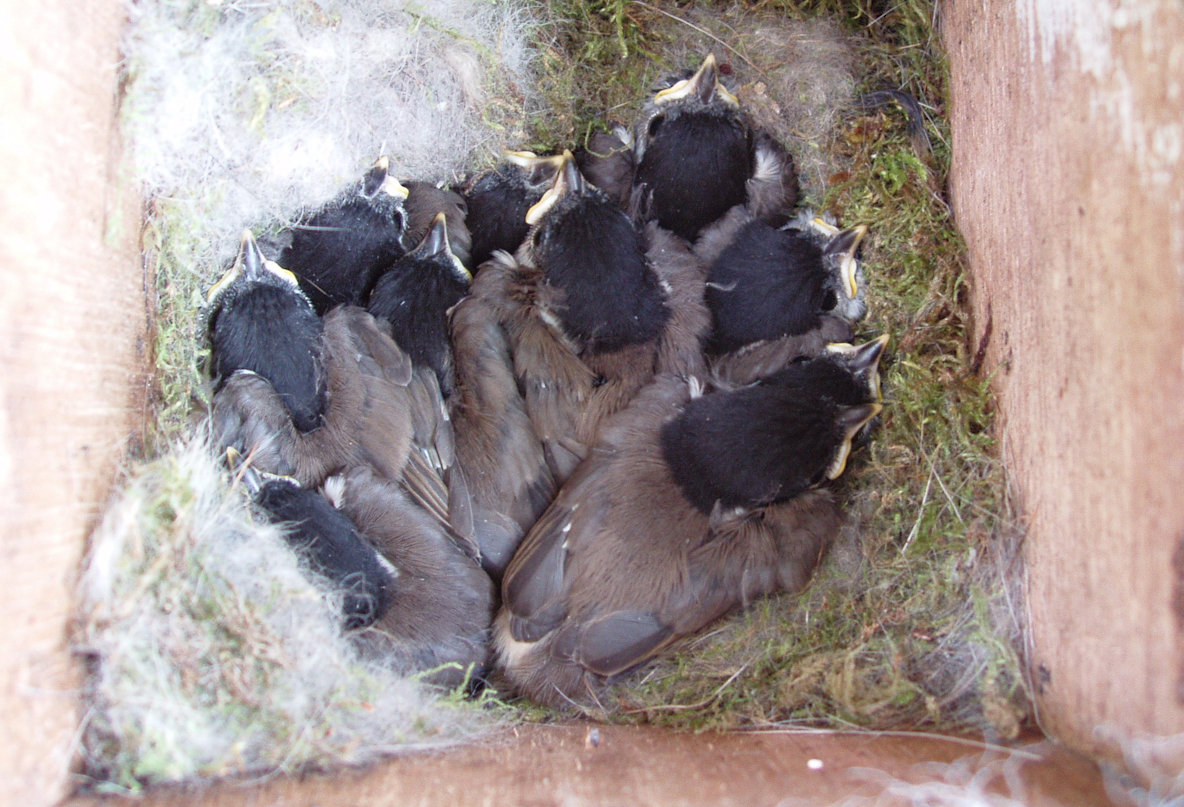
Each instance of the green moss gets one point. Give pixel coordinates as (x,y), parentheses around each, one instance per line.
(593,58)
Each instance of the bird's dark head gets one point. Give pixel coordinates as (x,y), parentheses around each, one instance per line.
(259,320)
(587,247)
(848,376)
(700,92)
(701,87)
(499,198)
(863,362)
(766,284)
(534,172)
(434,253)
(383,191)
(567,190)
(331,545)
(774,439)
(324,538)
(520,178)
(249,270)
(840,256)
(693,151)
(415,294)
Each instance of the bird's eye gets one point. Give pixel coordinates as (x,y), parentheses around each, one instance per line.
(655,125)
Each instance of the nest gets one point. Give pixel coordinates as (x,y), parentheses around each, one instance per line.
(213,653)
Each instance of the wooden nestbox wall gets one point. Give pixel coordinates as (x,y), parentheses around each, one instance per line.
(1068,185)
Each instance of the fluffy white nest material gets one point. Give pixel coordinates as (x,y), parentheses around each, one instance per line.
(249,110)
(213,652)
(1152,770)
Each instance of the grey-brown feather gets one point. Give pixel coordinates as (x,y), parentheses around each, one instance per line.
(554,382)
(441,610)
(772,190)
(622,565)
(683,274)
(366,416)
(431,475)
(760,359)
(502,458)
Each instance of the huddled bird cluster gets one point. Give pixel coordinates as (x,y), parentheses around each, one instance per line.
(546,424)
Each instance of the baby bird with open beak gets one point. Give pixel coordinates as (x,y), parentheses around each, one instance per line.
(691,505)
(497,201)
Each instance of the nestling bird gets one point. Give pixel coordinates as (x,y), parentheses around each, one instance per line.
(364,416)
(593,254)
(414,295)
(326,539)
(497,201)
(766,283)
(439,614)
(338,252)
(840,249)
(696,156)
(426,604)
(258,321)
(689,506)
(587,310)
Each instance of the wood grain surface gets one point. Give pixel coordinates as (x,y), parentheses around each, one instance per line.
(1068,184)
(72,349)
(583,764)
